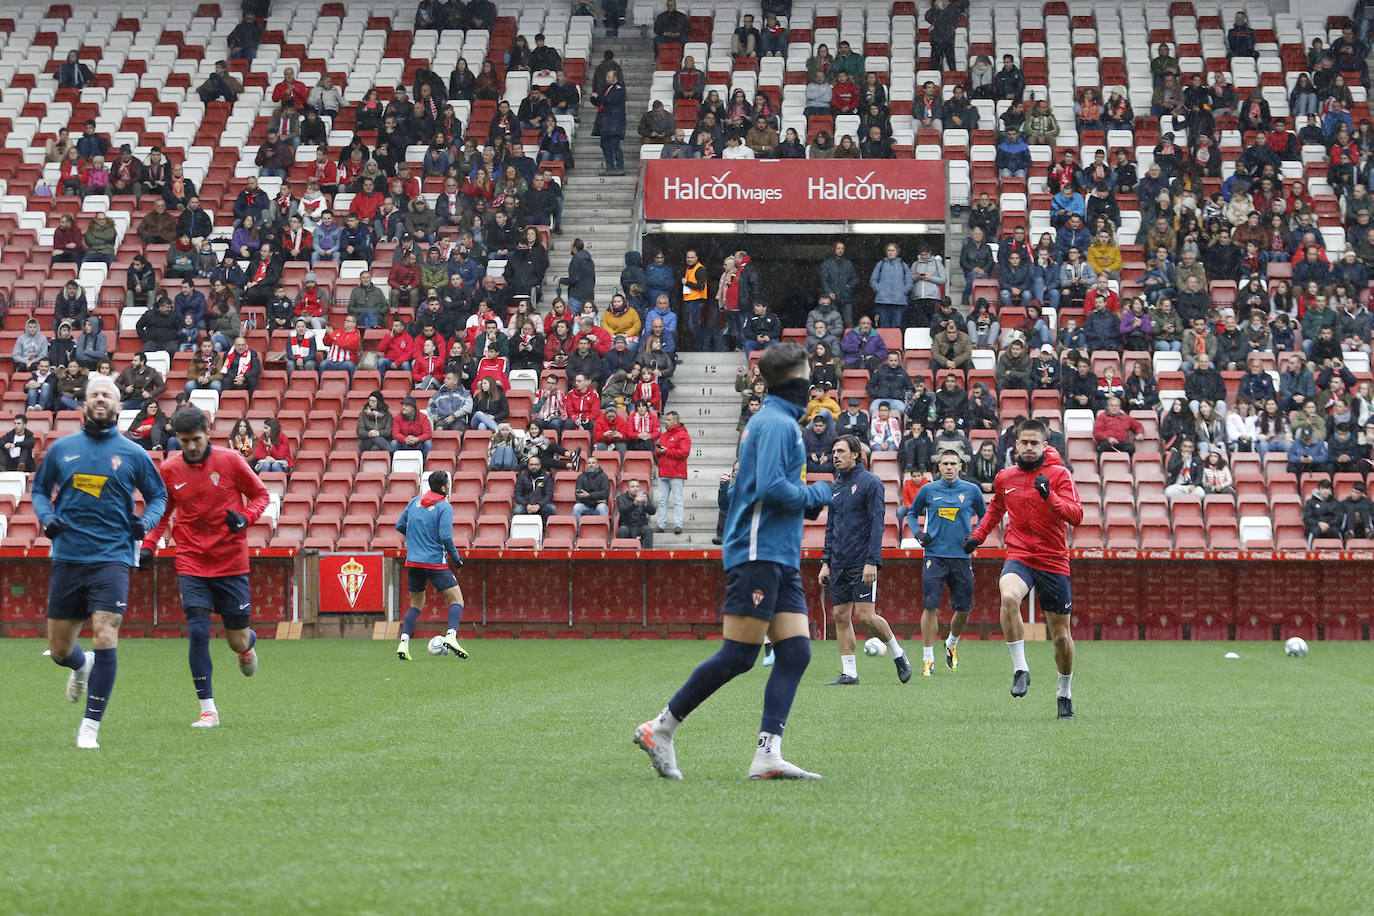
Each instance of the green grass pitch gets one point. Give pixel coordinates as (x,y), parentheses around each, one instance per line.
(345,781)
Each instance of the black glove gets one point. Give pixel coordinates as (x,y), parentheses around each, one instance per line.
(137,528)
(53,528)
(235,521)
(923,539)
(145,557)
(1042,486)
(971,544)
(456,562)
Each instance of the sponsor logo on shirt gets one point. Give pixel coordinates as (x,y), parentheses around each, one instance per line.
(94,484)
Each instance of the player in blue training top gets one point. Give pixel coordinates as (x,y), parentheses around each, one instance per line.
(763,587)
(948,506)
(853,552)
(83,494)
(427,524)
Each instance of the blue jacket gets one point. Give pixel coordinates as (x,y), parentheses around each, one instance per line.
(1067,237)
(661,282)
(949,509)
(669,327)
(1013,155)
(890,281)
(769,497)
(95,475)
(427,524)
(854,524)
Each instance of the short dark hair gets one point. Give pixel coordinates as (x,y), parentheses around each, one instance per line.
(781,361)
(1034,426)
(189,420)
(438,480)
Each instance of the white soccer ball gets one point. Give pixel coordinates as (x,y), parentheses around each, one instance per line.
(437,646)
(1295,647)
(876,646)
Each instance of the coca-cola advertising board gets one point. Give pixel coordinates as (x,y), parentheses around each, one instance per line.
(795,189)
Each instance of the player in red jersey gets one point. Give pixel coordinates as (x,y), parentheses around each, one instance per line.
(1038,494)
(207,489)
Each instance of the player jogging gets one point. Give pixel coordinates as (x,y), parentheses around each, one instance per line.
(427,525)
(95,534)
(215,496)
(763,587)
(948,506)
(1039,496)
(853,552)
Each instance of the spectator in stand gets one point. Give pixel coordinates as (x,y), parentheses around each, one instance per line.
(1308,453)
(976,260)
(844,96)
(633,510)
(592,492)
(17,445)
(762,330)
(1044,373)
(671,26)
(952,349)
(1013,159)
(889,384)
(1014,369)
(1114,430)
(943,17)
(583,404)
(1205,383)
(862,347)
(1080,386)
(1323,516)
(1359,511)
(1184,472)
(1102,327)
(818,437)
(412,430)
(610,431)
(534,490)
(674,445)
(345,346)
(273,453)
(242,367)
(891,281)
(374,425)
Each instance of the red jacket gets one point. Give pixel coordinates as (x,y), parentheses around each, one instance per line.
(1120,427)
(397,348)
(674,445)
(553,346)
(417,345)
(295,90)
(344,346)
(310,304)
(845,97)
(199,495)
(583,405)
(280,451)
(404,276)
(647,423)
(325,173)
(649,391)
(1035,534)
(366,205)
(419,428)
(611,432)
(425,365)
(491,368)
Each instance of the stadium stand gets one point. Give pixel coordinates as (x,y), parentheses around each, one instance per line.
(1110,104)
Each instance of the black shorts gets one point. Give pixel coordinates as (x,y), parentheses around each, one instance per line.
(1053,589)
(78,590)
(418,577)
(940,572)
(227,596)
(761,589)
(847,587)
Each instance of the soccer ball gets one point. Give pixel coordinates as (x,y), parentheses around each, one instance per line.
(1295,647)
(876,646)
(437,646)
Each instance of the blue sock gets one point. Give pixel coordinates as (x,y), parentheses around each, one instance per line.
(792,656)
(198,635)
(732,659)
(74,660)
(412,618)
(252,639)
(101,684)
(455,616)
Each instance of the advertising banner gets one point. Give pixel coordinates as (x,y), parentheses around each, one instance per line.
(351,583)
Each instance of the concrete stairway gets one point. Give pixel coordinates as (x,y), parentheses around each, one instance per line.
(704,397)
(599,209)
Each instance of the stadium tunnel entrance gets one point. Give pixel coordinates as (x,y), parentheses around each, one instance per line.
(790,264)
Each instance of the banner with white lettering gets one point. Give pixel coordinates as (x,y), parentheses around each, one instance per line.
(795,189)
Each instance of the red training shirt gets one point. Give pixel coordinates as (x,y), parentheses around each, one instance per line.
(199,495)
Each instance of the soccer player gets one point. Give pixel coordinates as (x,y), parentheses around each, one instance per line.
(95,534)
(427,525)
(215,496)
(948,506)
(854,547)
(1038,494)
(763,587)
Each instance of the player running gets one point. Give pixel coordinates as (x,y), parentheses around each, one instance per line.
(427,525)
(95,534)
(215,496)
(763,588)
(948,506)
(854,547)
(1039,496)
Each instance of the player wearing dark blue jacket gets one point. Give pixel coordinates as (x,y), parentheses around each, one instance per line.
(853,552)
(427,525)
(83,494)
(947,506)
(763,589)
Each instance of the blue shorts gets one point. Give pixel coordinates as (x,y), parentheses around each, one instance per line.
(227,596)
(761,589)
(1054,590)
(937,573)
(418,577)
(78,590)
(847,587)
